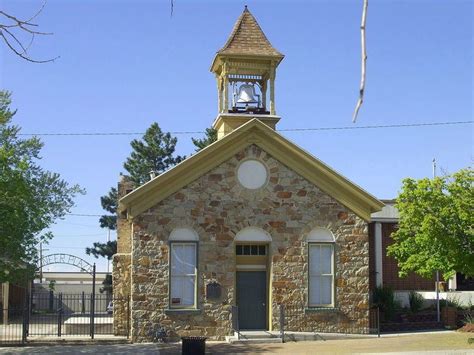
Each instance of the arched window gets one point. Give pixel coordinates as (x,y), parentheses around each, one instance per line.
(184,234)
(253,234)
(183,268)
(321,268)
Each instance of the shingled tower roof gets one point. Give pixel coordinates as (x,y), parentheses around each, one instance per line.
(247,38)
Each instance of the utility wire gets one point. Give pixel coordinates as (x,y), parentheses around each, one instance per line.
(426,124)
(376,126)
(84,215)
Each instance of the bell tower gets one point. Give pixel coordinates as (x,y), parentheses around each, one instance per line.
(245,70)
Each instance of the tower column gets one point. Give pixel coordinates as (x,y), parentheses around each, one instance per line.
(219,94)
(272,90)
(264,93)
(226,94)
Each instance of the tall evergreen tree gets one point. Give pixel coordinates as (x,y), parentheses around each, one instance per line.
(209,138)
(153,152)
(109,203)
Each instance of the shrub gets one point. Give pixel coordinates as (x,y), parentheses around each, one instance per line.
(468,317)
(451,302)
(384,298)
(416,301)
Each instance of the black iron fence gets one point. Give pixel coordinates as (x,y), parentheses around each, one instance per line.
(44,316)
(300,318)
(12,327)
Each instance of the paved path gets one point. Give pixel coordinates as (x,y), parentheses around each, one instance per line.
(442,343)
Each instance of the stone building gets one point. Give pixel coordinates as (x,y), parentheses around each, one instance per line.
(251,221)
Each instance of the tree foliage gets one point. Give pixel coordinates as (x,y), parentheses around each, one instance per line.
(109,203)
(209,138)
(31,198)
(105,250)
(436,226)
(154,152)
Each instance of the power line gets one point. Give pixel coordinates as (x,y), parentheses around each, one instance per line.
(376,126)
(78,235)
(84,215)
(67,248)
(425,124)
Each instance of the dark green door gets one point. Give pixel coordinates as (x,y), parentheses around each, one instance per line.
(252,299)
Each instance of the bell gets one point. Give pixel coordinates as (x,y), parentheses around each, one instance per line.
(247,94)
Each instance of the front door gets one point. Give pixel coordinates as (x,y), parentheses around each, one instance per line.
(252,299)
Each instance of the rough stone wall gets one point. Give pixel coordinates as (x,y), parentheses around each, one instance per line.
(217,207)
(121,271)
(124,232)
(121,281)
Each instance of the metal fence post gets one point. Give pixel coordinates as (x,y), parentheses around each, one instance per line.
(91,316)
(26,309)
(282,322)
(378,321)
(83,302)
(60,313)
(93,302)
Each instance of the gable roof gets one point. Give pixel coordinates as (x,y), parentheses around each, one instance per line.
(247,38)
(254,132)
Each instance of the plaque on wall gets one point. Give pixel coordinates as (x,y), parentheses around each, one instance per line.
(213,290)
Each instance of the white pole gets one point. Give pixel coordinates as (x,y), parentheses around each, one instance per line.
(438,315)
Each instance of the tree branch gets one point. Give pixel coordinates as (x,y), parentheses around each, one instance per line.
(12,40)
(364,60)
(21,55)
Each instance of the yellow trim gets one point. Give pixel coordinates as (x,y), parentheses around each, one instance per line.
(253,132)
(228,122)
(251,260)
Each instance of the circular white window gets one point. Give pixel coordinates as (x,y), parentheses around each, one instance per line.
(252,174)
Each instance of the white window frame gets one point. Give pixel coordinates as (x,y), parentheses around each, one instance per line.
(320,275)
(195,274)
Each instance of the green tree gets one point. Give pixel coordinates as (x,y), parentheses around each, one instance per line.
(436,226)
(105,250)
(52,285)
(31,198)
(154,152)
(209,138)
(109,203)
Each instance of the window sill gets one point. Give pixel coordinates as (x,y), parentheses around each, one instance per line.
(182,311)
(321,310)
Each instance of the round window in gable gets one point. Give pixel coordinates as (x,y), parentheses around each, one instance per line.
(252,174)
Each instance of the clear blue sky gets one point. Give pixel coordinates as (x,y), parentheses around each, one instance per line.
(125,64)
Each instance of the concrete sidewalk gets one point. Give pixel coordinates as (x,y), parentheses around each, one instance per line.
(433,343)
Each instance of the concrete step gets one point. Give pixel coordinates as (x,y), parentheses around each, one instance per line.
(257,335)
(233,340)
(254,337)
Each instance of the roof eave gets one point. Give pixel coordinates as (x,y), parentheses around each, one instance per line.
(215,63)
(327,179)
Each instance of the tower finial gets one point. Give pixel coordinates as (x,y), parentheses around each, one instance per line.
(246,9)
